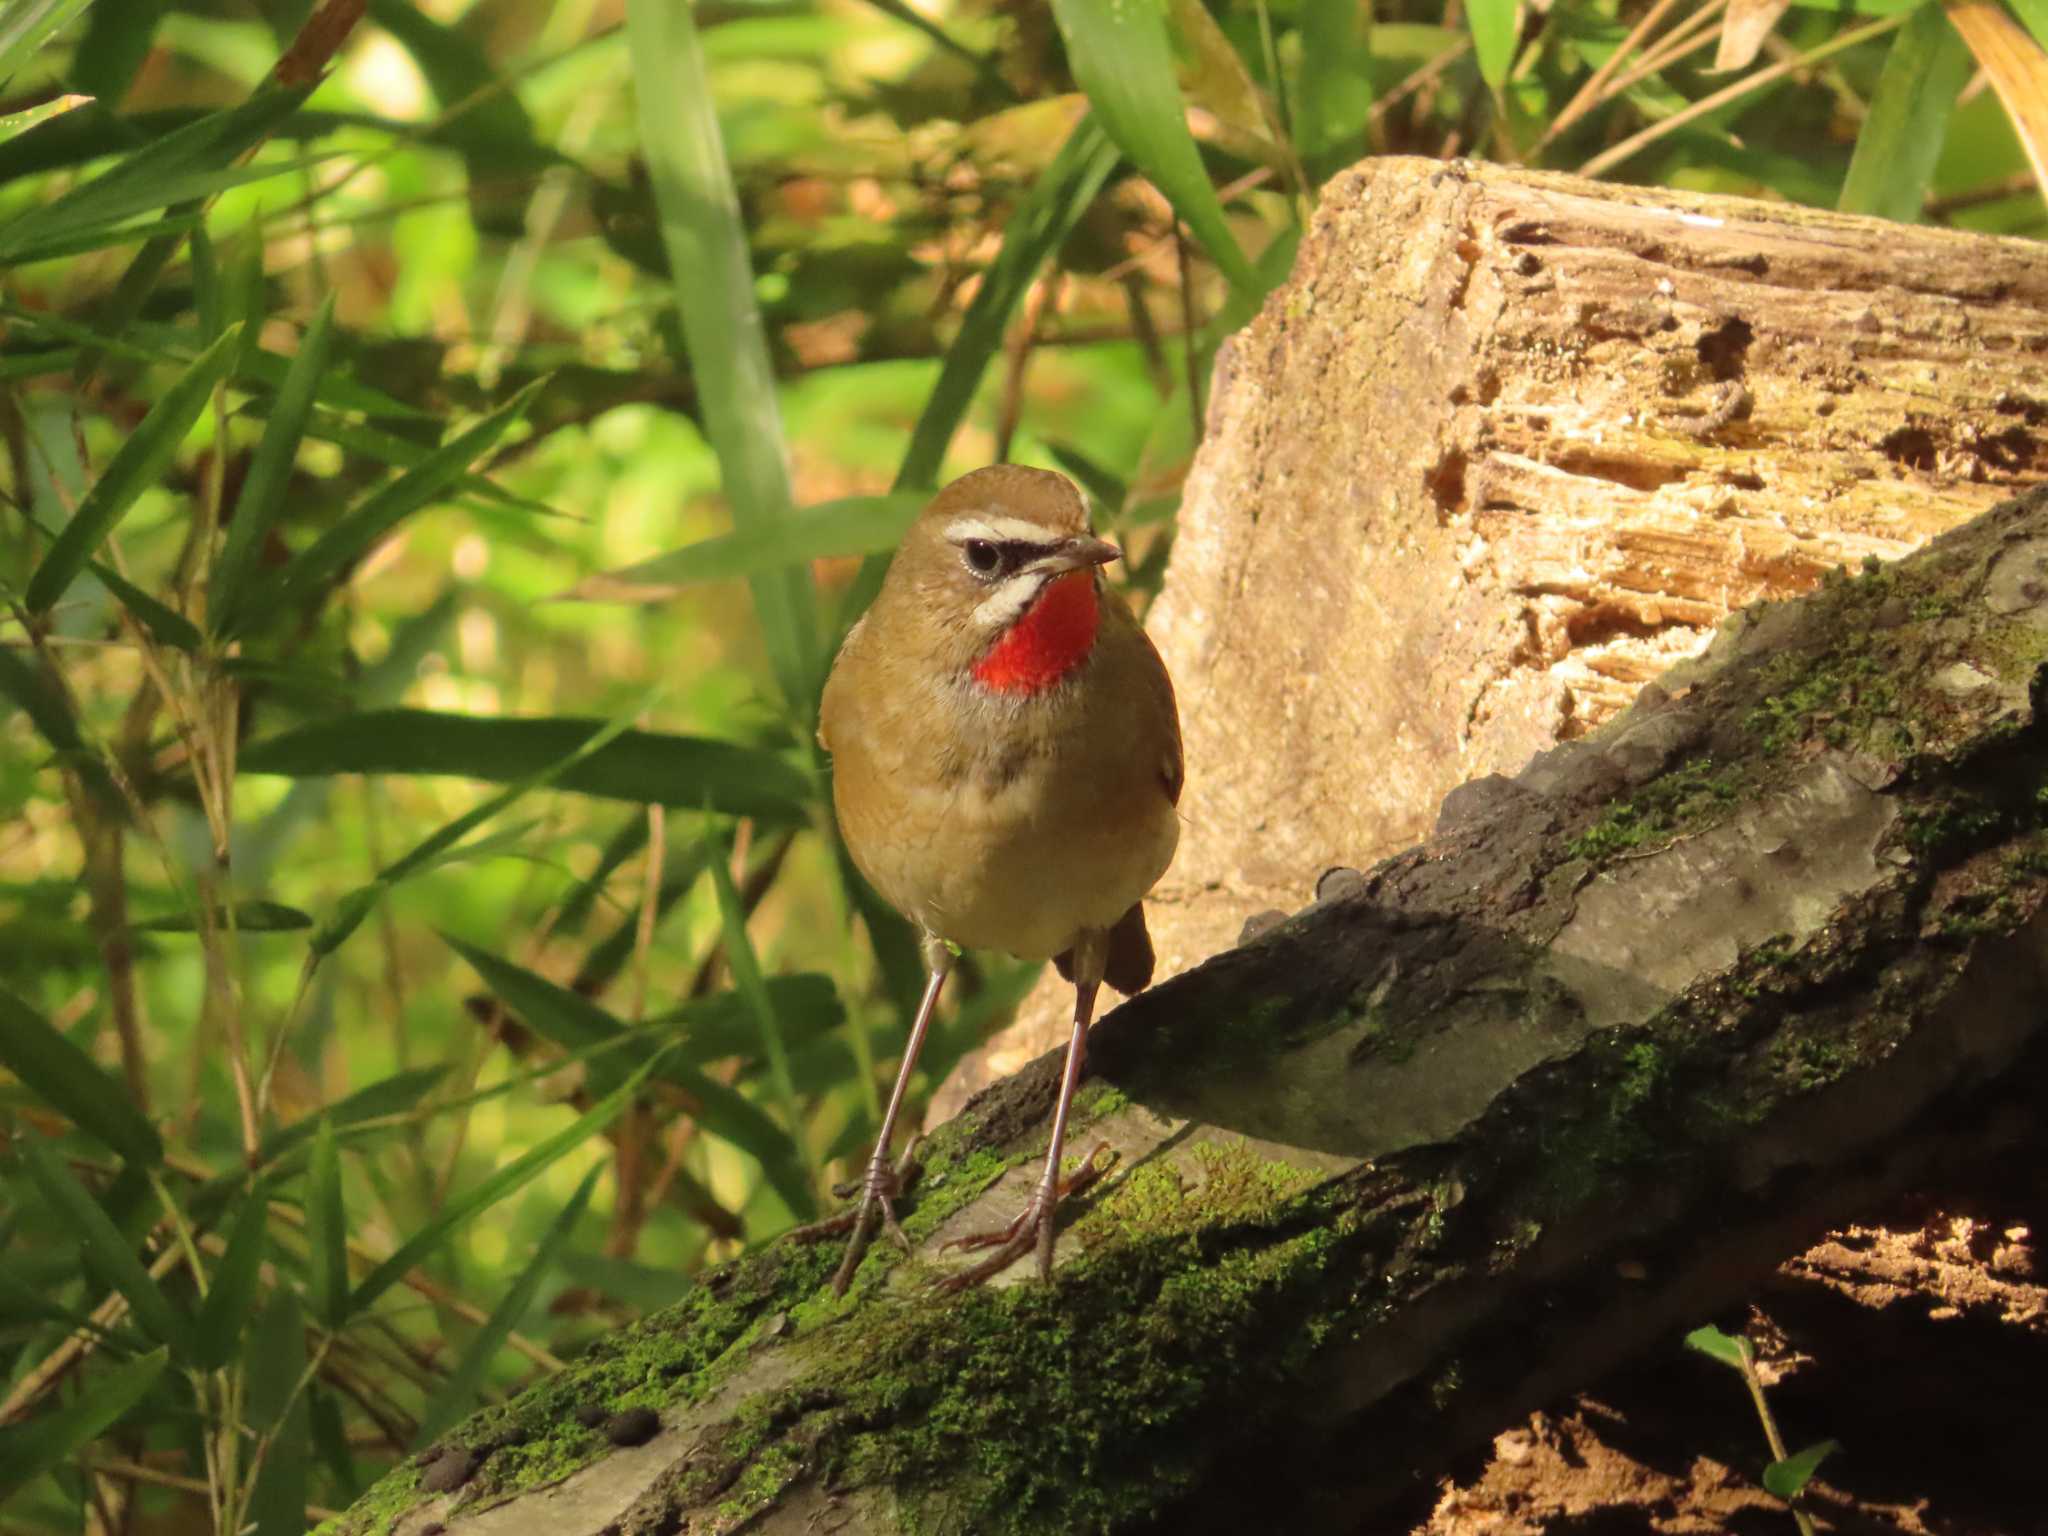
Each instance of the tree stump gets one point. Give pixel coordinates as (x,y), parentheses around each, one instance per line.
(1508,444)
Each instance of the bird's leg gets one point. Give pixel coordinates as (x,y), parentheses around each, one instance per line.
(882,1183)
(1034,1226)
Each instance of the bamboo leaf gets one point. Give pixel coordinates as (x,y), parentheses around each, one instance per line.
(1896,151)
(2016,63)
(274,1364)
(326,1232)
(54,1438)
(262,498)
(471,1203)
(1494,25)
(70,1082)
(647,767)
(247,916)
(16,123)
(607,1049)
(365,527)
(138,464)
(706,243)
(26,25)
(106,1252)
(1120,56)
(232,1295)
(457,1395)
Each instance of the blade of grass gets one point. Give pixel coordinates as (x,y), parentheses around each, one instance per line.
(25,27)
(53,1439)
(709,266)
(232,1294)
(326,1232)
(70,1082)
(262,498)
(1122,60)
(646,767)
(458,1394)
(138,464)
(362,529)
(1902,134)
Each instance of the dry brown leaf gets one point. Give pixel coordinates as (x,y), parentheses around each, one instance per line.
(2017,67)
(1743,30)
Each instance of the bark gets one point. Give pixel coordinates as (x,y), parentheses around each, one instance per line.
(1629,1029)
(1507,445)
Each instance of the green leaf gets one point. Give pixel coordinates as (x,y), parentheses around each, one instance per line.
(326,1232)
(70,1082)
(244,916)
(138,464)
(1785,1478)
(164,624)
(1120,56)
(195,161)
(52,1439)
(232,1294)
(649,767)
(1924,71)
(16,123)
(274,1365)
(2034,15)
(607,1048)
(25,25)
(470,1203)
(706,241)
(458,1394)
(722,1025)
(1334,91)
(117,39)
(362,529)
(262,498)
(1716,1345)
(106,1252)
(381,1100)
(745,966)
(1493,24)
(857,525)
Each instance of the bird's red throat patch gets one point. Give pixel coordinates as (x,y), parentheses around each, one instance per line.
(1054,637)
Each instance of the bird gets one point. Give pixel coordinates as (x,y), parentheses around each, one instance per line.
(1006,766)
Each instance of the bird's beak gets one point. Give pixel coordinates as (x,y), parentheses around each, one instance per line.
(1081,550)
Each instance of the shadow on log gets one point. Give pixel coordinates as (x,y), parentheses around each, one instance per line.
(1631,1028)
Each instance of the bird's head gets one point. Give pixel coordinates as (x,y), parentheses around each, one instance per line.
(1002,567)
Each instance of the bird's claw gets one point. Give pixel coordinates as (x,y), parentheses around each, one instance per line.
(879,1189)
(1033,1227)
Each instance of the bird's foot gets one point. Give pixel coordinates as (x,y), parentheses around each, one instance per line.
(878,1191)
(1033,1227)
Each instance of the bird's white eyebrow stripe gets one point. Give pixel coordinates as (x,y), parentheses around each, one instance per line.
(997,530)
(1006,604)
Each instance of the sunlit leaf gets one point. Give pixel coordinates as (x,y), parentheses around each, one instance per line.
(1716,1345)
(1119,53)
(70,1082)
(1744,26)
(1900,141)
(138,464)
(20,122)
(705,237)
(856,525)
(650,767)
(1495,25)
(26,25)
(2015,60)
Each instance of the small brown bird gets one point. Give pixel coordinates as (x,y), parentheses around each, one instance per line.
(1006,760)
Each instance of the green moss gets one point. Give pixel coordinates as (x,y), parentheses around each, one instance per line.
(1691,795)
(1845,700)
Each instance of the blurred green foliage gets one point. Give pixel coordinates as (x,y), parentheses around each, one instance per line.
(442,448)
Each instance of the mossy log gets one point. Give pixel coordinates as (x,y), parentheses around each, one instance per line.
(1470,1128)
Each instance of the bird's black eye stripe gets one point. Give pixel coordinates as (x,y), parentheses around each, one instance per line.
(990,558)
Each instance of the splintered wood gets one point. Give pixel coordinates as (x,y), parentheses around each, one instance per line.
(1509,444)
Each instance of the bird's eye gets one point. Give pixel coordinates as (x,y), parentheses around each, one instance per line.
(982,557)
